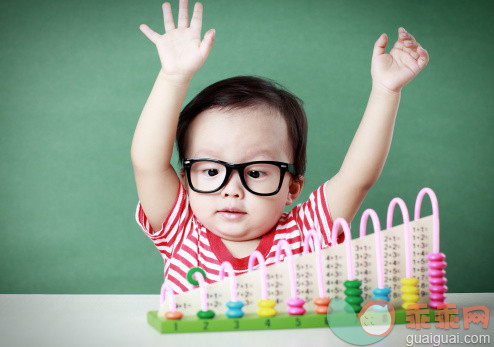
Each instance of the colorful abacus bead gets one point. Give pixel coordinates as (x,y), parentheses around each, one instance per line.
(266,308)
(436,279)
(321,305)
(353,295)
(234,309)
(205,314)
(173,315)
(295,306)
(381,293)
(410,291)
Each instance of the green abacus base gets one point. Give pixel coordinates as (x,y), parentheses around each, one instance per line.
(189,324)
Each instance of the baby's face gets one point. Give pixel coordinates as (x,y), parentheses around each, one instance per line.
(235,137)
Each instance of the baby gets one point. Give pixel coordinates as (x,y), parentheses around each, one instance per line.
(242,143)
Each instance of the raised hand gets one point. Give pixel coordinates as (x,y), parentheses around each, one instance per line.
(405,60)
(180,49)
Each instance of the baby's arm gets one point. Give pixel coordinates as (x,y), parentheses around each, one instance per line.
(369,149)
(181,53)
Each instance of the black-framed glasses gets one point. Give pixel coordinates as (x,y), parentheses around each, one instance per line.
(258,177)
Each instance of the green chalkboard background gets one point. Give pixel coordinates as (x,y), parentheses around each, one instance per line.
(75,76)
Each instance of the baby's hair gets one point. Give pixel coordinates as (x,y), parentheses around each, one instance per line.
(250,91)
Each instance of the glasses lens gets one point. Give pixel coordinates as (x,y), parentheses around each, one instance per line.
(207,175)
(262,178)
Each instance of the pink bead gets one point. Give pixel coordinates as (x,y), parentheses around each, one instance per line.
(435,304)
(438,289)
(295,306)
(295,302)
(436,279)
(296,311)
(437,297)
(437,265)
(436,256)
(436,273)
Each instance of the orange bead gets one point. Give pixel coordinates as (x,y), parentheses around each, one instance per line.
(321,305)
(321,301)
(173,315)
(321,309)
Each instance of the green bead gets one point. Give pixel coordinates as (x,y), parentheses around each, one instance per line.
(352,284)
(354,300)
(192,272)
(205,314)
(353,292)
(353,295)
(356,308)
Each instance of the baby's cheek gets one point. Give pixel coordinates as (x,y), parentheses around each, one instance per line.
(269,213)
(201,208)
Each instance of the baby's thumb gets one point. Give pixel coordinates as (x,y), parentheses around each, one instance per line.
(150,34)
(380,45)
(207,43)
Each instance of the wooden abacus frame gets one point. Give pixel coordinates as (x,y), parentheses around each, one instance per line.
(298,317)
(189,324)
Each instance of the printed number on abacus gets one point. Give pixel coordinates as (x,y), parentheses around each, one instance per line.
(393,246)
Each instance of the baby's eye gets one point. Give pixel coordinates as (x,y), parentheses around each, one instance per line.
(211,172)
(255,174)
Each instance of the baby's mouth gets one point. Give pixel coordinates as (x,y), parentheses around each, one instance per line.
(231,213)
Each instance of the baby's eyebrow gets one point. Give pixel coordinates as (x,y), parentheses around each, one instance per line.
(207,154)
(261,154)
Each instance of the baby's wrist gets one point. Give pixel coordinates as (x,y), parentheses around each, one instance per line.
(177,80)
(379,88)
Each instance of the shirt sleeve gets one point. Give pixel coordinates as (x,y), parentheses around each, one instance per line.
(314,214)
(173,228)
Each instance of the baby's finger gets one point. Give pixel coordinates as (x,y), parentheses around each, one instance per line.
(411,44)
(183,14)
(424,57)
(207,43)
(407,47)
(153,36)
(405,36)
(413,53)
(380,46)
(168,17)
(196,22)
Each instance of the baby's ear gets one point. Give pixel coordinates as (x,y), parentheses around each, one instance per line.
(294,190)
(182,175)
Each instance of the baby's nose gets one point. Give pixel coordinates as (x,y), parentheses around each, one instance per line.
(233,186)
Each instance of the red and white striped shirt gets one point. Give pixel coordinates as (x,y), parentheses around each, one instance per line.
(185,243)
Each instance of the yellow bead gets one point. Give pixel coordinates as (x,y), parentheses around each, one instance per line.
(266,303)
(266,312)
(266,308)
(410,298)
(409,281)
(410,291)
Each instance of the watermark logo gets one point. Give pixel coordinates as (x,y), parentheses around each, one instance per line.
(377,319)
(374,322)
(446,316)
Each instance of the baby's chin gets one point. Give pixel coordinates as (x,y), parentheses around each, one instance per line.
(232,233)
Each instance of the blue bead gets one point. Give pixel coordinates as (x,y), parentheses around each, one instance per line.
(234,309)
(235,304)
(381,293)
(234,313)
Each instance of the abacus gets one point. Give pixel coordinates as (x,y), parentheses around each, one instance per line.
(373,264)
